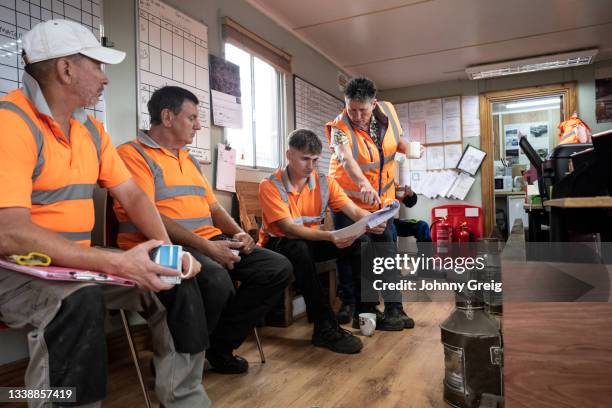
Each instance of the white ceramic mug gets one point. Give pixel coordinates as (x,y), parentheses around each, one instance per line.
(414,150)
(367,323)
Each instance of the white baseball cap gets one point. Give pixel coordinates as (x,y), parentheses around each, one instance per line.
(60,38)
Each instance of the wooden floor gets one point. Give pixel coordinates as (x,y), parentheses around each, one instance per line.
(395,369)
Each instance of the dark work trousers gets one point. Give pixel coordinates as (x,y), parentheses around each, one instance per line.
(373,245)
(263,275)
(303,254)
(414,228)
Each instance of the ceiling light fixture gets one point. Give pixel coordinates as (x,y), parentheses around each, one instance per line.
(542,63)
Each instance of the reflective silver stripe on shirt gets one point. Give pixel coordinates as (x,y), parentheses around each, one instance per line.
(323,190)
(69,192)
(76,236)
(387,112)
(95,136)
(347,122)
(38,136)
(388,186)
(188,223)
(163,192)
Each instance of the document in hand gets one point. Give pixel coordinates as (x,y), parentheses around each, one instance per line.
(372,220)
(66,274)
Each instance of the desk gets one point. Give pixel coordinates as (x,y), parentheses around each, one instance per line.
(556,354)
(580,215)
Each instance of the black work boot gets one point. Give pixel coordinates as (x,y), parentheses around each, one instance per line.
(328,334)
(397,311)
(226,363)
(384,321)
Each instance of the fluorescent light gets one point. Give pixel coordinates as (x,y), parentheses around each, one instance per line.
(542,63)
(534,102)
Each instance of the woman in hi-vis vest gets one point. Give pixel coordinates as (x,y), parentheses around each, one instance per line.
(365,137)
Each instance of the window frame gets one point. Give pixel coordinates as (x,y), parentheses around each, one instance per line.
(280,82)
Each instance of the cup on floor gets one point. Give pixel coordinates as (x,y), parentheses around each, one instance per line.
(367,323)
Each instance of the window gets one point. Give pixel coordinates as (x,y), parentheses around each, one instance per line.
(258,143)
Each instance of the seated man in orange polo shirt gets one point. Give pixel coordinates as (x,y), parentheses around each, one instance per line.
(163,168)
(52,154)
(294,202)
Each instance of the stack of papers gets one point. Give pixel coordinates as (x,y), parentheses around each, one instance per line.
(370,221)
(445,183)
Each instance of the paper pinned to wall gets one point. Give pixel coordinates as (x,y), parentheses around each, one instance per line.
(433,118)
(417,130)
(435,157)
(226,168)
(451,108)
(470,115)
(461,186)
(452,153)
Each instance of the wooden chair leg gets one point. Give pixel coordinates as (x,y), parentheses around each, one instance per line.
(261,352)
(130,339)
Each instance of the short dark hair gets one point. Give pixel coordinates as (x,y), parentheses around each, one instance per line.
(41,71)
(168,97)
(305,141)
(360,89)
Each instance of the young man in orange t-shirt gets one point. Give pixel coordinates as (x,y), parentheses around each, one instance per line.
(294,202)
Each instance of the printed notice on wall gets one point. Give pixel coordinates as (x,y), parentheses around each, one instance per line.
(173,50)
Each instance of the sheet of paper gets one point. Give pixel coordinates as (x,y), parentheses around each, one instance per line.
(433,118)
(416,178)
(417,129)
(461,187)
(469,116)
(446,180)
(452,153)
(435,157)
(419,164)
(416,110)
(226,109)
(451,108)
(226,168)
(372,220)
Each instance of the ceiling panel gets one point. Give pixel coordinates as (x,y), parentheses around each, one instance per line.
(405,43)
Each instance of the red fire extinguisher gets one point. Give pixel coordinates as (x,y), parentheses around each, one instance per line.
(443,234)
(464,233)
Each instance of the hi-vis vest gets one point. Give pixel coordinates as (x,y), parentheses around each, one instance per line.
(380,171)
(308,220)
(79,190)
(165,192)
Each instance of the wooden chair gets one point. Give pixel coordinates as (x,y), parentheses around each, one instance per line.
(250,215)
(104,234)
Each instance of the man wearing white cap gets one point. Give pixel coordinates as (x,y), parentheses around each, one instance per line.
(51,156)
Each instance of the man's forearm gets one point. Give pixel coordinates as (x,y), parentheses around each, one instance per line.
(354,172)
(353,211)
(182,236)
(296,231)
(223,221)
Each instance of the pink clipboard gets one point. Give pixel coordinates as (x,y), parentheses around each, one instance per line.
(60,273)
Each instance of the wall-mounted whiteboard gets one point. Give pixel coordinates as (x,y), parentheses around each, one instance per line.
(173,50)
(313,109)
(18,16)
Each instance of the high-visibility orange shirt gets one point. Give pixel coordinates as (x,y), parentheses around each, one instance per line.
(299,204)
(67,161)
(177,171)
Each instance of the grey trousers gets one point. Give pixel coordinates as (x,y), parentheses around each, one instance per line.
(41,304)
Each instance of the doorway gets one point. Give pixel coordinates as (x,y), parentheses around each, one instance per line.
(506,116)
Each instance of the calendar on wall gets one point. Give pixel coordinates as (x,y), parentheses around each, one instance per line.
(18,16)
(173,50)
(313,109)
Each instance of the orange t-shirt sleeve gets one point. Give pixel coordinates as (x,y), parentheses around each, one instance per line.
(337,196)
(112,170)
(272,205)
(18,155)
(139,169)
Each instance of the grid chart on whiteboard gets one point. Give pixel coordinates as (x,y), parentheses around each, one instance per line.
(173,50)
(313,109)
(18,16)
